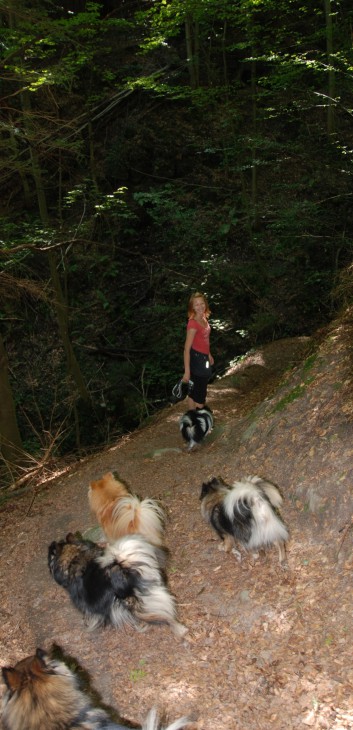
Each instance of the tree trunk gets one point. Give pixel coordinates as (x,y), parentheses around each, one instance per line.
(331,72)
(192,50)
(21,169)
(254,155)
(224,55)
(63,322)
(11,448)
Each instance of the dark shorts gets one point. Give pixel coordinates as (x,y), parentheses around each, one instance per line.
(199,391)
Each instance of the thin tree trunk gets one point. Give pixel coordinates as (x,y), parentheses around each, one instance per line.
(92,157)
(196,27)
(253,154)
(63,322)
(224,54)
(331,72)
(192,50)
(19,166)
(11,448)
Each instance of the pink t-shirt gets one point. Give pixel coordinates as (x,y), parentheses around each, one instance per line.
(201,341)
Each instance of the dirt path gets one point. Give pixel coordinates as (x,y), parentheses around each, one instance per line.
(266,647)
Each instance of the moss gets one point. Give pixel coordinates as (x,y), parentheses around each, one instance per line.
(309,362)
(297,392)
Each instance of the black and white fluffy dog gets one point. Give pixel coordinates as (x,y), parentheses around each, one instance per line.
(195,425)
(44,694)
(245,513)
(120,584)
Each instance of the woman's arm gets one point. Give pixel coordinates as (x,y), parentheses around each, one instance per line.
(190,334)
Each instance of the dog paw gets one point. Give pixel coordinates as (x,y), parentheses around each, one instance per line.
(179,630)
(142,628)
(237,554)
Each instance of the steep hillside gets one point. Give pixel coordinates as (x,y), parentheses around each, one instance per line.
(266,647)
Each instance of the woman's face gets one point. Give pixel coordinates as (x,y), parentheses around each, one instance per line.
(199,306)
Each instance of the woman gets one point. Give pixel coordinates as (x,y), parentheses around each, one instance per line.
(197,356)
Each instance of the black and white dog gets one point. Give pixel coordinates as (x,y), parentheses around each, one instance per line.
(195,425)
(245,513)
(121,584)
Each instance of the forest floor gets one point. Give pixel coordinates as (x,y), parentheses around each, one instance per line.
(266,647)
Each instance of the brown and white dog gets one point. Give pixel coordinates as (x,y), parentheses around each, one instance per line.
(120,513)
(44,694)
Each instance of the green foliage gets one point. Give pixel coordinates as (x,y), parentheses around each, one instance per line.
(297,392)
(114,205)
(310,362)
(137,674)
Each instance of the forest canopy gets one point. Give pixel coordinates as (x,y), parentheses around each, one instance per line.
(151,149)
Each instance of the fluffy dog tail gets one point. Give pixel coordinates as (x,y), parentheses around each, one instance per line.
(131,515)
(263,499)
(195,425)
(142,565)
(187,427)
(270,490)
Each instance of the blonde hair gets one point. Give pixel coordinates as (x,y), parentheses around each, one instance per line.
(191,311)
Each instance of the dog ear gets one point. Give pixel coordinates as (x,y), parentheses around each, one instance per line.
(213,483)
(219,481)
(38,665)
(52,548)
(41,654)
(12,678)
(205,488)
(24,672)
